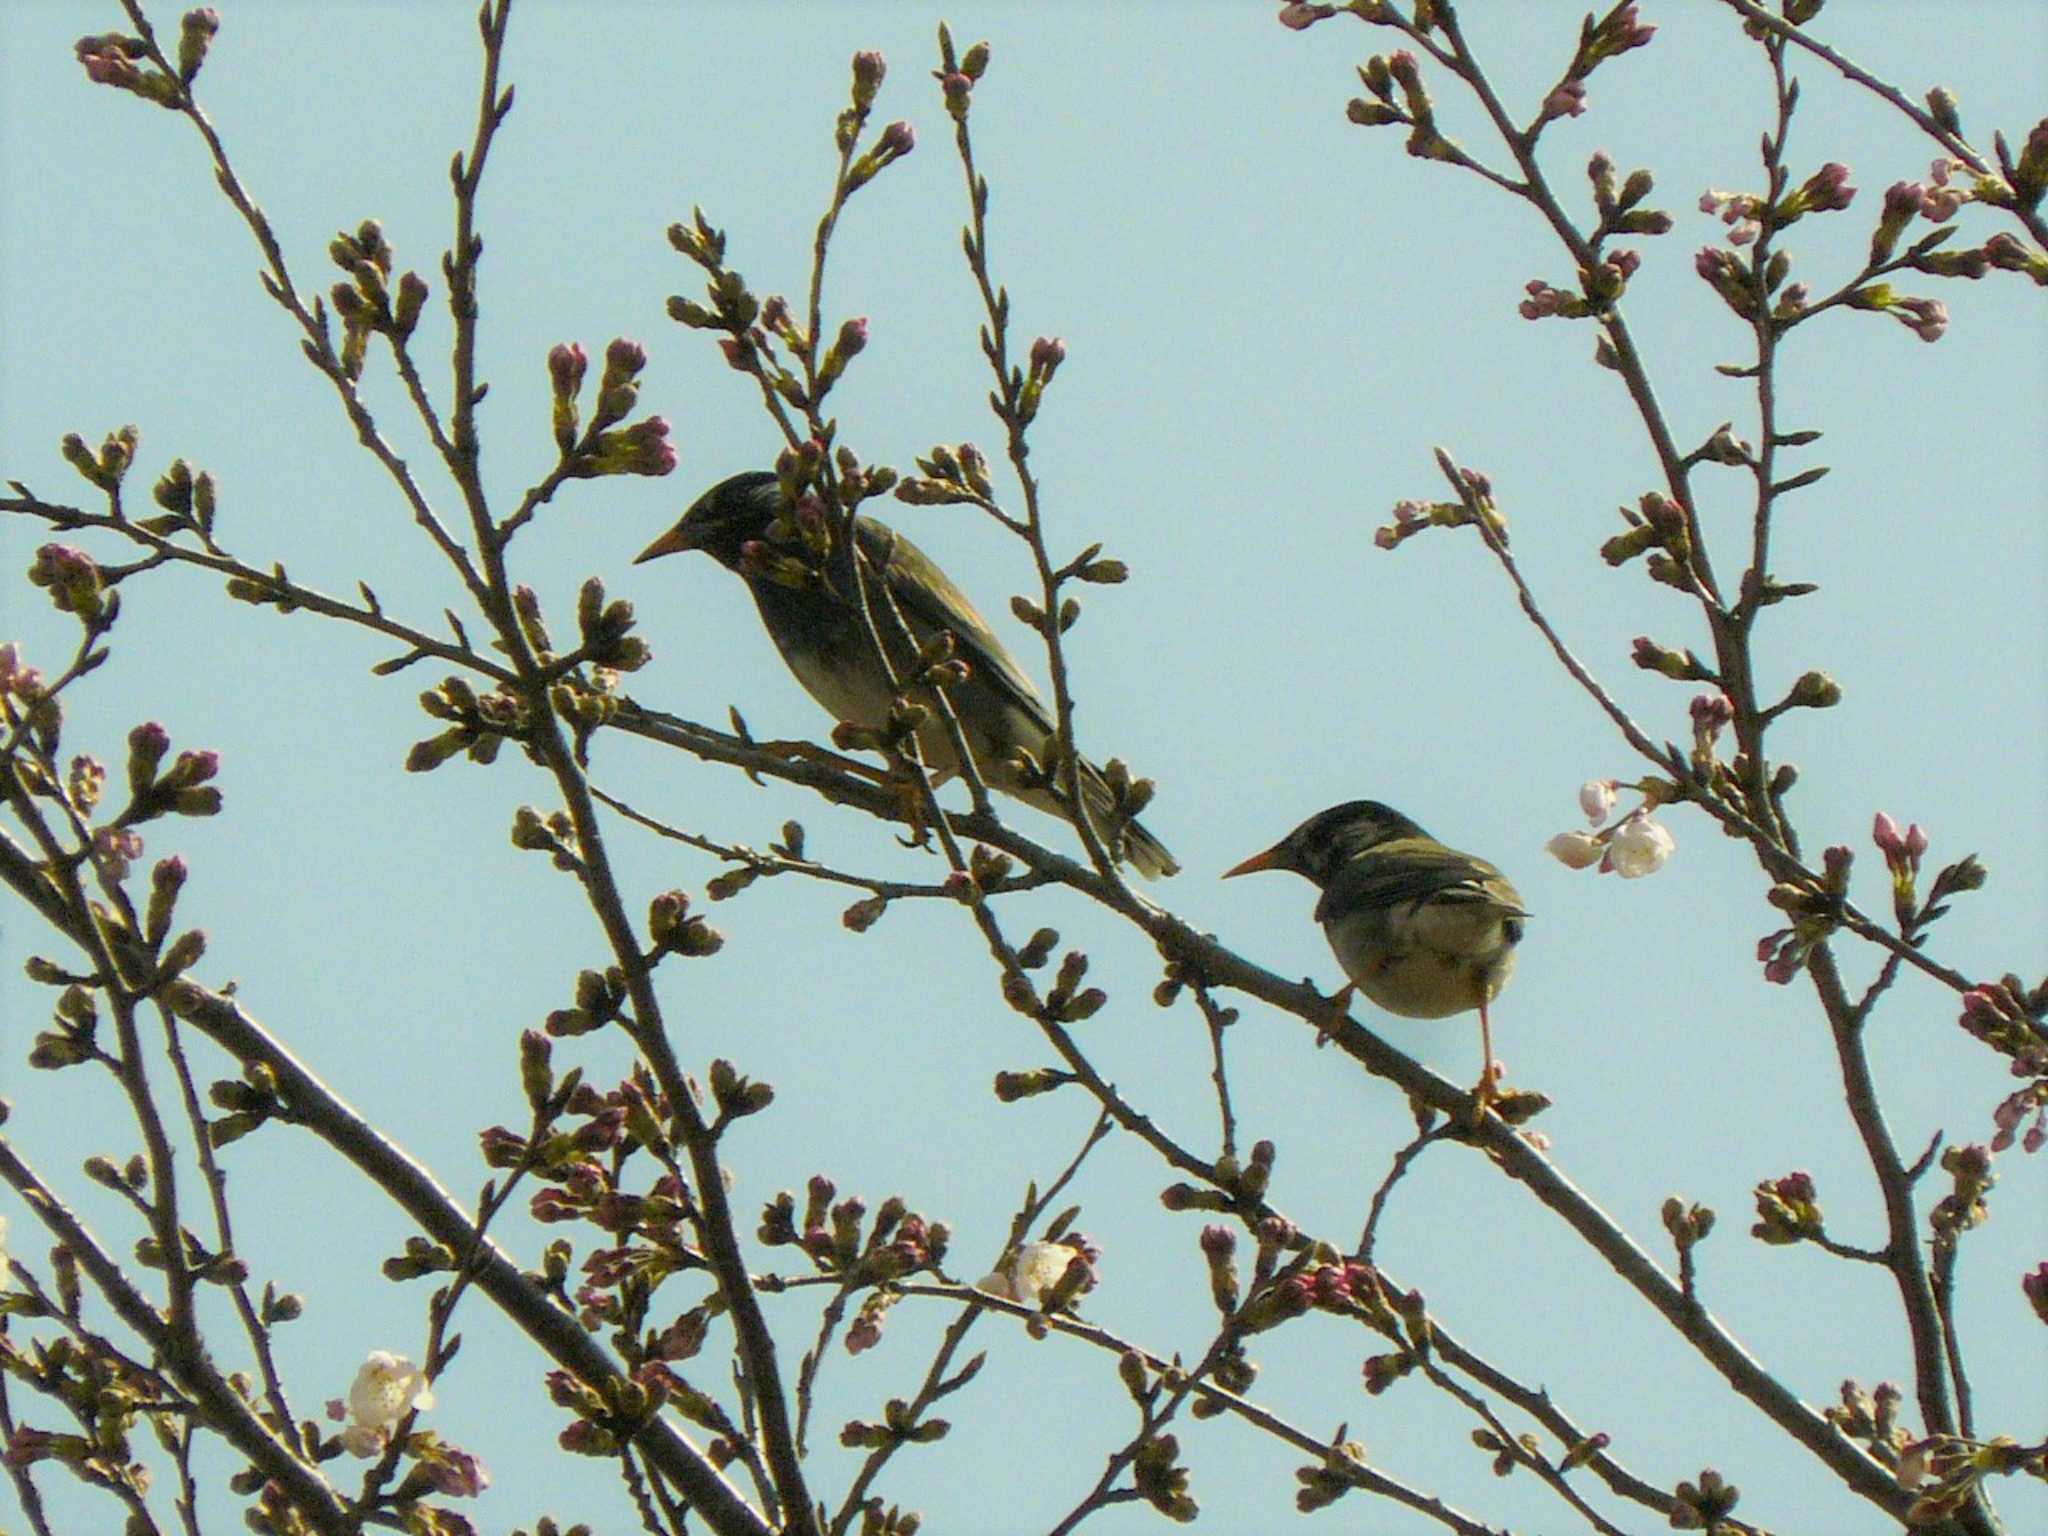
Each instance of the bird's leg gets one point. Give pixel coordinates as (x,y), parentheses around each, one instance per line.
(901,782)
(1340,1009)
(1483,1096)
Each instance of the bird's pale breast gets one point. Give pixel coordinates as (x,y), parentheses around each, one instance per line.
(1427,959)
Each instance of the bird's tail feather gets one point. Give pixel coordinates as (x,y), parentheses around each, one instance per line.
(1145,852)
(1148,854)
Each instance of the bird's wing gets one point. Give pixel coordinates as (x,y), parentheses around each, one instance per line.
(1408,870)
(931,602)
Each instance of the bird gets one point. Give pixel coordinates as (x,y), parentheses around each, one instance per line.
(745,522)
(1421,929)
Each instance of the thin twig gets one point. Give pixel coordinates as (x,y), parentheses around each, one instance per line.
(318,344)
(1363,1477)
(419,643)
(312,1498)
(936,1384)
(314,1106)
(1954,143)
(1943,1281)
(1402,1160)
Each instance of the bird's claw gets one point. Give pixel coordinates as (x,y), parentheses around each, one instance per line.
(1487,1094)
(1340,1013)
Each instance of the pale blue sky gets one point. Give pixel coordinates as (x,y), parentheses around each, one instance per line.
(1271,316)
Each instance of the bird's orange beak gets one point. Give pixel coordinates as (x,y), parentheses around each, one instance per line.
(1274,857)
(676,541)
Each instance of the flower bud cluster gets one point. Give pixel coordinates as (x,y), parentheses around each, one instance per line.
(109,466)
(1963,1207)
(1412,517)
(1047,353)
(899,1242)
(1658,528)
(1871,1417)
(1946,1472)
(1925,318)
(188,502)
(1160,1479)
(1382,75)
(75,585)
(947,476)
(1788,1210)
(2016,1107)
(1700,1506)
(119,60)
(366,301)
(2005,1016)
(1688,1225)
(604,448)
(479,725)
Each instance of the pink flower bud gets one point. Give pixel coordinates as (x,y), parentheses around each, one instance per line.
(624,356)
(869,68)
(1925,318)
(1828,189)
(150,741)
(1047,353)
(1628,31)
(1711,713)
(195,767)
(1939,204)
(1567,100)
(566,364)
(1299,17)
(1596,799)
(2034,1285)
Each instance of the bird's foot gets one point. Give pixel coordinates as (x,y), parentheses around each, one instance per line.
(1340,1012)
(1487,1094)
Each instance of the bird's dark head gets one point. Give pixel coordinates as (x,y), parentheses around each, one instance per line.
(723,520)
(1320,846)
